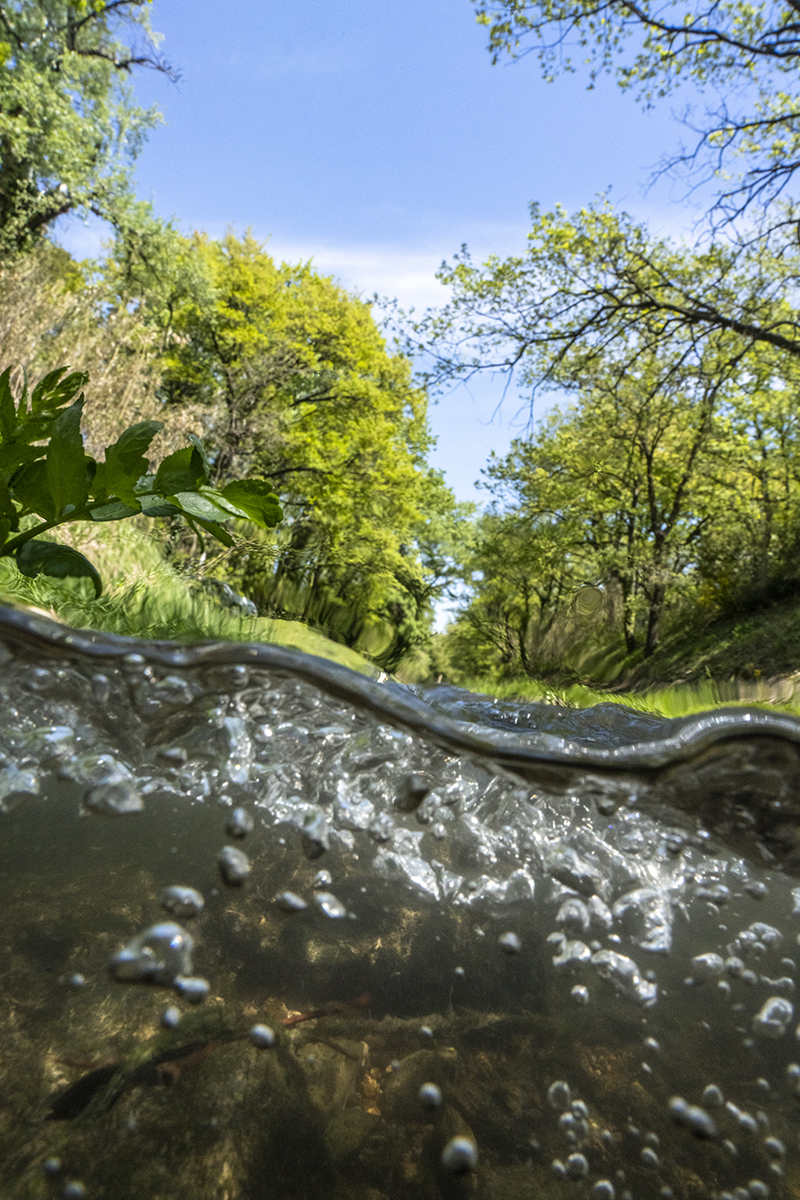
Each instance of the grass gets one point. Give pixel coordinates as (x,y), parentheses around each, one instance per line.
(734,661)
(145,597)
(672,700)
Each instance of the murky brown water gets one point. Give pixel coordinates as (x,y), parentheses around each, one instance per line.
(433,947)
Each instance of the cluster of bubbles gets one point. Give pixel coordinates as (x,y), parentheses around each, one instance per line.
(647,913)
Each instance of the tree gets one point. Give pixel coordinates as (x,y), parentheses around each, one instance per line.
(624,479)
(595,288)
(69,128)
(521,578)
(752,51)
(296,385)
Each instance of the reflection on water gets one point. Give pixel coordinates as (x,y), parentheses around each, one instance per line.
(274,930)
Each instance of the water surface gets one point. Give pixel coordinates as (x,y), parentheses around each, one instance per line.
(273,929)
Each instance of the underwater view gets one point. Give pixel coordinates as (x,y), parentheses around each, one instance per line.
(274,929)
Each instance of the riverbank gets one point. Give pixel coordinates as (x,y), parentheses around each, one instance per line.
(753,659)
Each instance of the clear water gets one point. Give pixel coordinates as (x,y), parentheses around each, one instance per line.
(270,929)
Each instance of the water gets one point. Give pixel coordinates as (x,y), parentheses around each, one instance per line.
(270,929)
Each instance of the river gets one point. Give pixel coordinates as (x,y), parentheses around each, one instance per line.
(271,929)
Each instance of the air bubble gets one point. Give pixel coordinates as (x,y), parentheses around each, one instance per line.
(234,866)
(118,798)
(577,1166)
(580,994)
(559,1095)
(411,793)
(316,835)
(262,1037)
(509,943)
(159,955)
(712,1096)
(332,907)
(73,1190)
(773,1018)
(170,1018)
(192,987)
(707,966)
(182,901)
(603,1190)
(239,823)
(430,1096)
(649,1158)
(290,902)
(693,1118)
(459,1156)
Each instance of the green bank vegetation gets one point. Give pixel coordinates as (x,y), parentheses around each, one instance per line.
(647,531)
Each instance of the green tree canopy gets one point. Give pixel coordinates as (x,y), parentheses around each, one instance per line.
(594,289)
(291,380)
(746,55)
(69,126)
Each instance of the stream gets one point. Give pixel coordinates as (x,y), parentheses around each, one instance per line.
(272,930)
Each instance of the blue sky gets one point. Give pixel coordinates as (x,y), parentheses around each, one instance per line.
(375,138)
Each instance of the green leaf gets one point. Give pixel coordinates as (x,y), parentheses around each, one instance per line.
(9,518)
(14,456)
(126,463)
(201,450)
(211,527)
(182,471)
(116,511)
(155,506)
(8,411)
(66,462)
(223,503)
(49,393)
(30,488)
(199,505)
(257,499)
(50,558)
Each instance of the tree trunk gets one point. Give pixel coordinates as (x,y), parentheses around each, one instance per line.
(653,620)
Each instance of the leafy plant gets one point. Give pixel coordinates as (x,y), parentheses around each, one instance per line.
(46,474)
